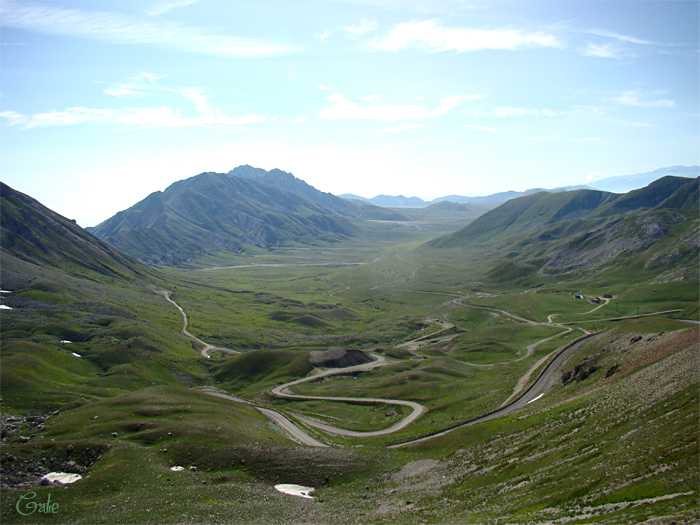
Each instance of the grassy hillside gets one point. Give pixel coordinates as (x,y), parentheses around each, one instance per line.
(33,233)
(463,331)
(525,215)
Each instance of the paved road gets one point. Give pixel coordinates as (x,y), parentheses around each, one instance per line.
(417,409)
(294,431)
(538,388)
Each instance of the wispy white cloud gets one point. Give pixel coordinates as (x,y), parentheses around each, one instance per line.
(160,8)
(140,117)
(632,98)
(523,112)
(76,115)
(113,27)
(602,50)
(343,109)
(151,117)
(621,38)
(161,117)
(430,36)
(138,85)
(610,44)
(365,26)
(492,130)
(403,127)
(592,175)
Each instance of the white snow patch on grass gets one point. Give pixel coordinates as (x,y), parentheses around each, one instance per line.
(62,477)
(295,490)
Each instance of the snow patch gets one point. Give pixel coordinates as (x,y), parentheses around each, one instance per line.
(5,307)
(177,469)
(62,477)
(295,490)
(77,355)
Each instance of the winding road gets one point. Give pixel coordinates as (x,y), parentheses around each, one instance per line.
(536,390)
(417,409)
(205,347)
(516,401)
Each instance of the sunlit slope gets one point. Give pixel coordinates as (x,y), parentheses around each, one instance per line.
(527,214)
(651,230)
(82,321)
(616,444)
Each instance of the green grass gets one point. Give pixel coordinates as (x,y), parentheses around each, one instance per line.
(575,447)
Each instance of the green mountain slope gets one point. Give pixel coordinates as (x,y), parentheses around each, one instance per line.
(80,320)
(216,211)
(35,234)
(653,229)
(524,215)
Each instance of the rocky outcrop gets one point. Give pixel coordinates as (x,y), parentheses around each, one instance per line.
(336,357)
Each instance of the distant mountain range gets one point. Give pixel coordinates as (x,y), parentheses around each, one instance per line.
(252,206)
(620,184)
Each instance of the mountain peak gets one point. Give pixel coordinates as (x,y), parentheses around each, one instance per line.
(247,171)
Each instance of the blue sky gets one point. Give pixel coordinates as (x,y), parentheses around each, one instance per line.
(104,101)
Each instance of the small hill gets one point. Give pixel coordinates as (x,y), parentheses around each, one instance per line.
(523,215)
(223,211)
(397,201)
(652,196)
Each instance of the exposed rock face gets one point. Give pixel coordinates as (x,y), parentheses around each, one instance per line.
(336,357)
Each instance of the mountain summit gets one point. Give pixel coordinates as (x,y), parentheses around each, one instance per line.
(222,211)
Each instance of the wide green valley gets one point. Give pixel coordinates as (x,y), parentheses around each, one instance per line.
(531,362)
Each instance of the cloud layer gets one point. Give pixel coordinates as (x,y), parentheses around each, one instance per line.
(113,27)
(428,35)
(343,109)
(151,117)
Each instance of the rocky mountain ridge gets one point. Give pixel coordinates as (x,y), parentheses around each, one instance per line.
(222,211)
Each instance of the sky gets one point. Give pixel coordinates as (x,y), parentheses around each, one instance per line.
(104,101)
